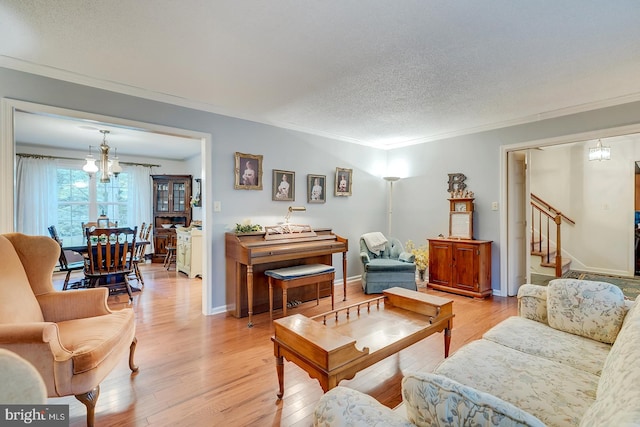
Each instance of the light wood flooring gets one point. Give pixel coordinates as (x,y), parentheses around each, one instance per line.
(198,370)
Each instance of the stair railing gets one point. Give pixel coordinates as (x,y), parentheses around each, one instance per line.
(545,215)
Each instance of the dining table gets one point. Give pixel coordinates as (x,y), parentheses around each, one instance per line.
(82,249)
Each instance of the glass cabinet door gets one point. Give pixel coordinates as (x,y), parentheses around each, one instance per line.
(162,197)
(179,197)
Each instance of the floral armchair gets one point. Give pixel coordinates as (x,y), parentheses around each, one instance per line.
(385,264)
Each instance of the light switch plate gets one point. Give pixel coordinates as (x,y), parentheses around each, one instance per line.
(216,206)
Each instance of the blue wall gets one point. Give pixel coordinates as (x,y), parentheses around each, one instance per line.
(420,208)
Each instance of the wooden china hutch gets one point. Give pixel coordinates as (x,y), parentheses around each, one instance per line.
(171,209)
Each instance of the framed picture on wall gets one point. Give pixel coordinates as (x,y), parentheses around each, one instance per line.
(316,188)
(284,188)
(344,178)
(248,171)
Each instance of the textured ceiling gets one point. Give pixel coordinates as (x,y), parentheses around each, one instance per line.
(376,72)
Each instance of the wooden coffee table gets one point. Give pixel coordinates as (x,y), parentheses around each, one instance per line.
(338,344)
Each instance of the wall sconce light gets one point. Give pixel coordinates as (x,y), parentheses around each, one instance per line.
(599,152)
(293,209)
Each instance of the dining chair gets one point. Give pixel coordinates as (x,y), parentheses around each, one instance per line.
(141,248)
(110,253)
(171,248)
(64,265)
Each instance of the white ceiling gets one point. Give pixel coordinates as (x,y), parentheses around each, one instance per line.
(58,132)
(376,72)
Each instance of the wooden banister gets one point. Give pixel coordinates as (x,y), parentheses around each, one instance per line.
(545,214)
(551,209)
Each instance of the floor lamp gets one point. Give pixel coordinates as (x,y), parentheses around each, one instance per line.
(391,180)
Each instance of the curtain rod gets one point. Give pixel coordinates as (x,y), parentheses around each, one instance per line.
(40,156)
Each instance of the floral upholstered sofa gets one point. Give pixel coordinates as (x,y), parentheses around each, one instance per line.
(570,358)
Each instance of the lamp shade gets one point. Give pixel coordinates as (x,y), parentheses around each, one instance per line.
(90,166)
(115,167)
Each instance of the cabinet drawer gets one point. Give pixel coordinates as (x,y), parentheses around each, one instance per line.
(184,239)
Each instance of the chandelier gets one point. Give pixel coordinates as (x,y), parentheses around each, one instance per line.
(600,152)
(107,167)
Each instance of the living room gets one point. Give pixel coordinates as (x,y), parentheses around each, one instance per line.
(420,207)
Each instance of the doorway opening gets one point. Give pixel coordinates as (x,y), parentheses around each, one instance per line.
(596,198)
(10,107)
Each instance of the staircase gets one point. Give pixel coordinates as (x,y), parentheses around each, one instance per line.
(547,237)
(547,254)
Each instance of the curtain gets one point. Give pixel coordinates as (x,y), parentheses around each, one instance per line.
(36,195)
(139,201)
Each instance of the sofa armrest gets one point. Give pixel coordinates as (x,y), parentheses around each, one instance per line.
(342,406)
(406,257)
(433,400)
(532,303)
(365,258)
(60,306)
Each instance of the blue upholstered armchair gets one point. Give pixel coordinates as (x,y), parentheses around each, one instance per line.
(385,264)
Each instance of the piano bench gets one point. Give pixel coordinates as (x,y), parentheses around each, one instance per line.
(299,275)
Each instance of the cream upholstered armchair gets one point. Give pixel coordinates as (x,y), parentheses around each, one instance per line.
(72,338)
(385,264)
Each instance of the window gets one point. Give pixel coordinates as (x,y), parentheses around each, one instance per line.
(73,203)
(82,198)
(112,198)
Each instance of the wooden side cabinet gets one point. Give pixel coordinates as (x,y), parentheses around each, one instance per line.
(460,266)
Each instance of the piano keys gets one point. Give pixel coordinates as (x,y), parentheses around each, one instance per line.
(249,255)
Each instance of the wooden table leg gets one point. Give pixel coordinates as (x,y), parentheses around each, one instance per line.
(284,300)
(447,341)
(250,294)
(332,290)
(280,371)
(344,275)
(270,298)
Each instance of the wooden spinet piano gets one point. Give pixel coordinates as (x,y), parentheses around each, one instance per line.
(248,255)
